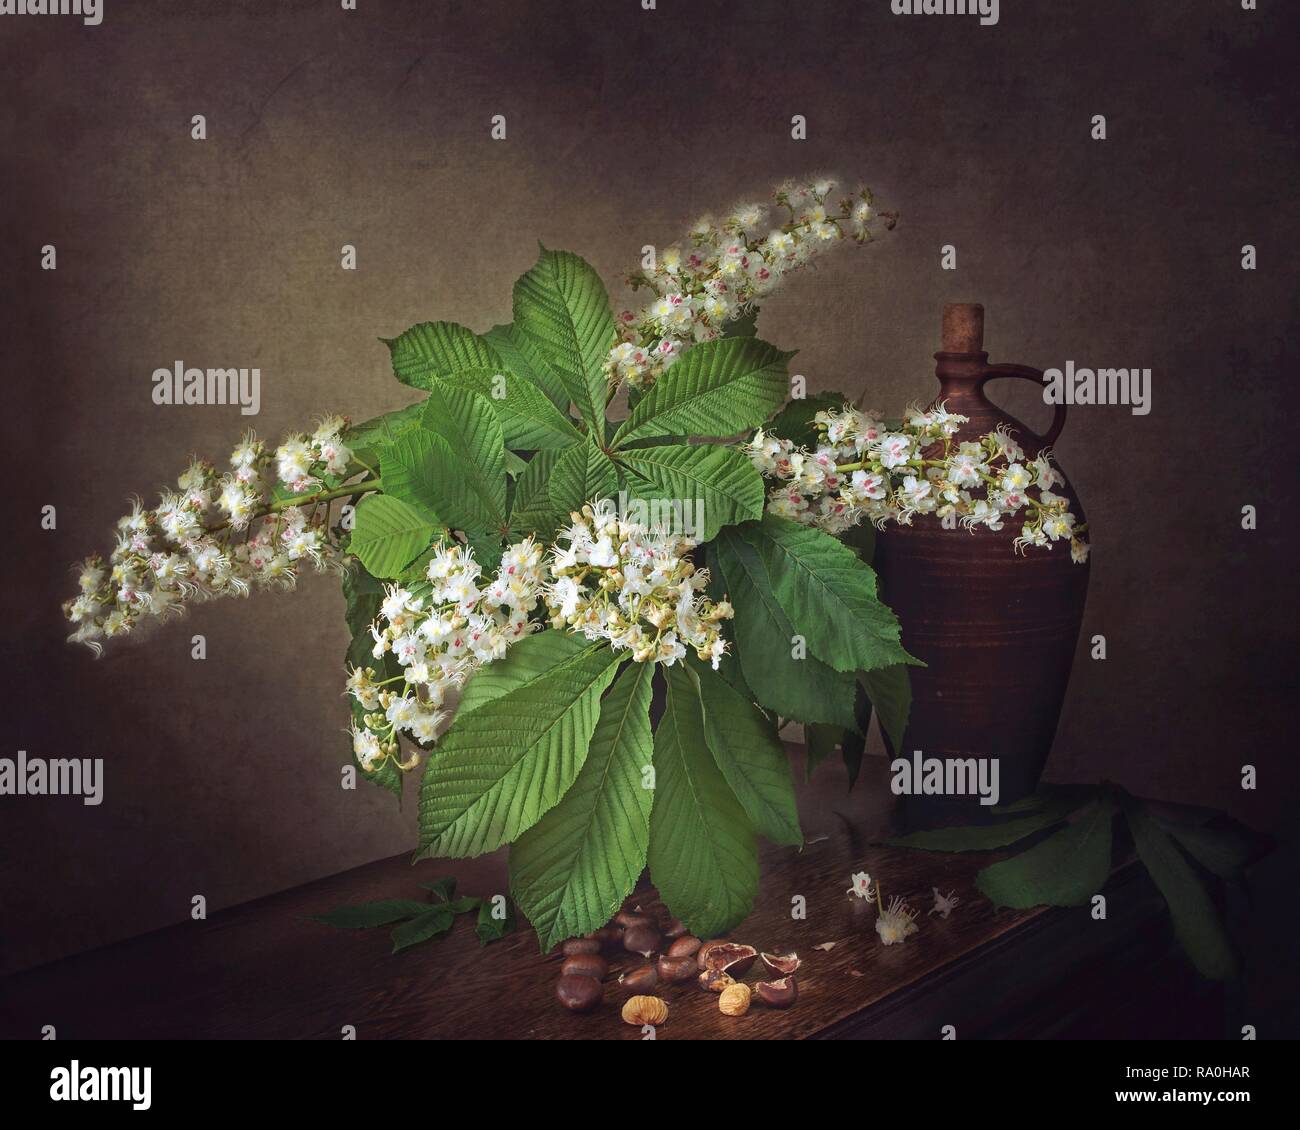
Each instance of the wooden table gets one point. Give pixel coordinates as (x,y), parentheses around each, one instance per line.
(265,971)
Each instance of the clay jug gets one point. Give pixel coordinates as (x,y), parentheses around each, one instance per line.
(997,629)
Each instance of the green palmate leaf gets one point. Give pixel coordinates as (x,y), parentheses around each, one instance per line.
(803,689)
(747,749)
(719,388)
(829,595)
(474,493)
(531,511)
(795,421)
(582,473)
(1197,925)
(370,914)
(531,658)
(434,920)
(524,359)
(703,857)
(572,870)
(415,467)
(1066,869)
(490,928)
(389,534)
(890,692)
(562,307)
(438,349)
(985,837)
(718,483)
(529,421)
(506,763)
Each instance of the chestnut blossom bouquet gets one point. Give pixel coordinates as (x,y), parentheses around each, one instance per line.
(526,569)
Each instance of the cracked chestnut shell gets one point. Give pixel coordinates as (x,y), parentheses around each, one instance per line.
(782,963)
(781,993)
(733,957)
(714,980)
(578,993)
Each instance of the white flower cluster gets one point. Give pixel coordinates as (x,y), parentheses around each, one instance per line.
(729,264)
(214,535)
(634,586)
(863,468)
(440,634)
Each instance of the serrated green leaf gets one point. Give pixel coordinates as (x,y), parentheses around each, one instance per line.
(805,690)
(505,764)
(524,359)
(561,305)
(747,749)
(531,658)
(828,594)
(1197,924)
(362,595)
(572,870)
(473,488)
(414,469)
(582,473)
(1066,869)
(703,857)
(531,511)
(389,534)
(529,421)
(435,920)
(890,692)
(368,915)
(719,484)
(438,349)
(718,388)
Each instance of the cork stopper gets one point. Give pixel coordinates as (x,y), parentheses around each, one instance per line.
(963,327)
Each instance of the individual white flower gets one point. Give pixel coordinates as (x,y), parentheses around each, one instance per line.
(861,886)
(897,922)
(895,449)
(1015,478)
(944,904)
(367,748)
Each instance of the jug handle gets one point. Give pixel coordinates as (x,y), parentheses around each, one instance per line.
(1025,372)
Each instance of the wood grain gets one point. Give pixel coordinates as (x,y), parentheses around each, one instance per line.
(265,971)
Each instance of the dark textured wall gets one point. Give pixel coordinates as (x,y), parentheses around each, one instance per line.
(371,127)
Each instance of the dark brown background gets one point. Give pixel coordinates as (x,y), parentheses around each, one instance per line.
(371,127)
